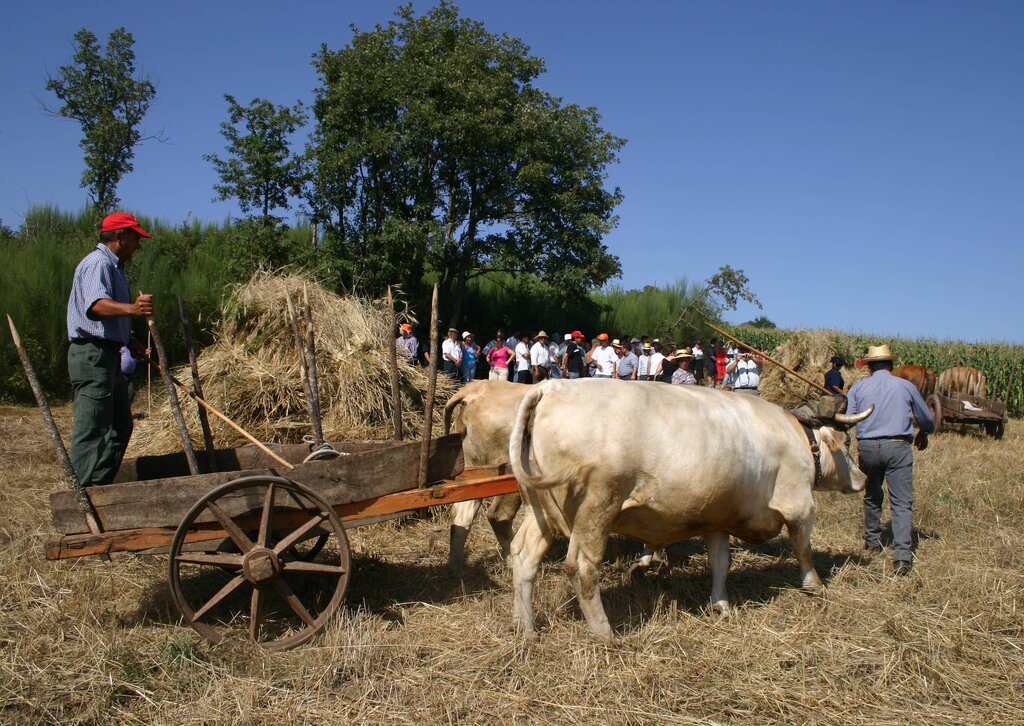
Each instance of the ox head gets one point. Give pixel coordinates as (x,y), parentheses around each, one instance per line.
(839,473)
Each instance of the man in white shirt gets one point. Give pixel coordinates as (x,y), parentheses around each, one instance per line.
(604,356)
(451,353)
(745,370)
(540,358)
(657,357)
(698,362)
(523,359)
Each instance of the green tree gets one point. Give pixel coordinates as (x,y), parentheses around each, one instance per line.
(100,91)
(434,152)
(260,170)
(761,321)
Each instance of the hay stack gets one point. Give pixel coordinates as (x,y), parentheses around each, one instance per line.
(251,372)
(808,352)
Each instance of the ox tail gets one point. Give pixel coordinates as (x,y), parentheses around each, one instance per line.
(521,442)
(449,408)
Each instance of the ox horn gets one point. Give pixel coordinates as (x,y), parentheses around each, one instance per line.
(852,419)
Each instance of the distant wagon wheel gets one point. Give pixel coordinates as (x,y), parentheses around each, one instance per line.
(995,429)
(284,592)
(935,404)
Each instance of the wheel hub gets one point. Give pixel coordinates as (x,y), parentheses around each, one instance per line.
(260,565)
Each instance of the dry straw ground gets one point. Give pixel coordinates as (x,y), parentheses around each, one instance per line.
(93,642)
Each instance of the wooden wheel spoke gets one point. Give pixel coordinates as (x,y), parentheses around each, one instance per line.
(209,558)
(256,612)
(268,515)
(229,588)
(301,566)
(293,601)
(299,534)
(237,535)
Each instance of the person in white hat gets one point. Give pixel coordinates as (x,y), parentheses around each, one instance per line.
(470,353)
(884,440)
(540,357)
(451,354)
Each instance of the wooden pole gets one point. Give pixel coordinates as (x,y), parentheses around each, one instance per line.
(428,413)
(249,437)
(314,377)
(300,349)
(768,358)
(74,484)
(172,395)
(149,379)
(396,395)
(197,386)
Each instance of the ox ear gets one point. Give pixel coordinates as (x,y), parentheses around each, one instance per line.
(834,438)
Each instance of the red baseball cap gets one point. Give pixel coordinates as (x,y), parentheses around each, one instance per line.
(577,334)
(122,220)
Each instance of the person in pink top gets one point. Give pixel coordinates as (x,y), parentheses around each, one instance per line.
(497,358)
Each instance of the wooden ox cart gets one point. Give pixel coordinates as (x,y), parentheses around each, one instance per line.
(962,408)
(254,545)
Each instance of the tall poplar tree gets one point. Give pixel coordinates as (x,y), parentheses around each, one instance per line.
(100,91)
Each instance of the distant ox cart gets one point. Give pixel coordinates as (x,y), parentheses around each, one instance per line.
(959,398)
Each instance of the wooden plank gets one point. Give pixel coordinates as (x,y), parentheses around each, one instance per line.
(136,540)
(164,502)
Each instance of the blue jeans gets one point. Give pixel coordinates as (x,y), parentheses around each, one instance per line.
(892,461)
(573,376)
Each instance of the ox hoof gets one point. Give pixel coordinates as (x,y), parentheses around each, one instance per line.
(722,609)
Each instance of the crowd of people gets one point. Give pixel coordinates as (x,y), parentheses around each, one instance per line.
(530,358)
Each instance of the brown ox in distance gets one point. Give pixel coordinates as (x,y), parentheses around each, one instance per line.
(922,377)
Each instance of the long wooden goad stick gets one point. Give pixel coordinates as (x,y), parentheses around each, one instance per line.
(428,413)
(197,386)
(768,358)
(314,377)
(172,395)
(300,351)
(396,393)
(55,438)
(249,437)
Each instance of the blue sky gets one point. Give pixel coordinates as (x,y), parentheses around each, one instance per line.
(862,162)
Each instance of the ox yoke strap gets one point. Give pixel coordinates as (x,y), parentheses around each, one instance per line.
(815,452)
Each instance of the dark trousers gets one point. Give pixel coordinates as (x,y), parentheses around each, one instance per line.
(103,415)
(892,461)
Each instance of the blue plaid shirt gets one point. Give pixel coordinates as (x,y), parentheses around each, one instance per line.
(99,275)
(895,400)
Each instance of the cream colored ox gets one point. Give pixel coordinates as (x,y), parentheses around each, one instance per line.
(488,411)
(962,380)
(662,464)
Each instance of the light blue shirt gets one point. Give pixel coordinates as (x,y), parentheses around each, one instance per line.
(99,275)
(895,401)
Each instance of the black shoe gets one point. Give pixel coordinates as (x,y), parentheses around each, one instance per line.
(873,548)
(901,568)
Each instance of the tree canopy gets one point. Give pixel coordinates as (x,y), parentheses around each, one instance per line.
(100,91)
(434,153)
(260,170)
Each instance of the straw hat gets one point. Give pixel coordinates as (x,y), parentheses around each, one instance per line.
(682,353)
(648,346)
(542,334)
(616,343)
(877,353)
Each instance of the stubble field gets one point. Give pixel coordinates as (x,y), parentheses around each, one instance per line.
(93,642)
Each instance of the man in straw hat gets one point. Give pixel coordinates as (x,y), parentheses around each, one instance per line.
(540,357)
(99,315)
(682,375)
(884,440)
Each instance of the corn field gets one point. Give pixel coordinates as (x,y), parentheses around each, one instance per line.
(998,361)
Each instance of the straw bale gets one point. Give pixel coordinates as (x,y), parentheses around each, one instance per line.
(251,372)
(809,353)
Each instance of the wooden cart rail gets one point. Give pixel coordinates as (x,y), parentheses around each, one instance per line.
(367,472)
(473,483)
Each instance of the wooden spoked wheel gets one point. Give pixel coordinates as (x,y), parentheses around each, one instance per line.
(286,574)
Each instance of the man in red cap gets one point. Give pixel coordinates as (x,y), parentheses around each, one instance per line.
(98,320)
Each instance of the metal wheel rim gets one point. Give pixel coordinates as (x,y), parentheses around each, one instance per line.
(260,557)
